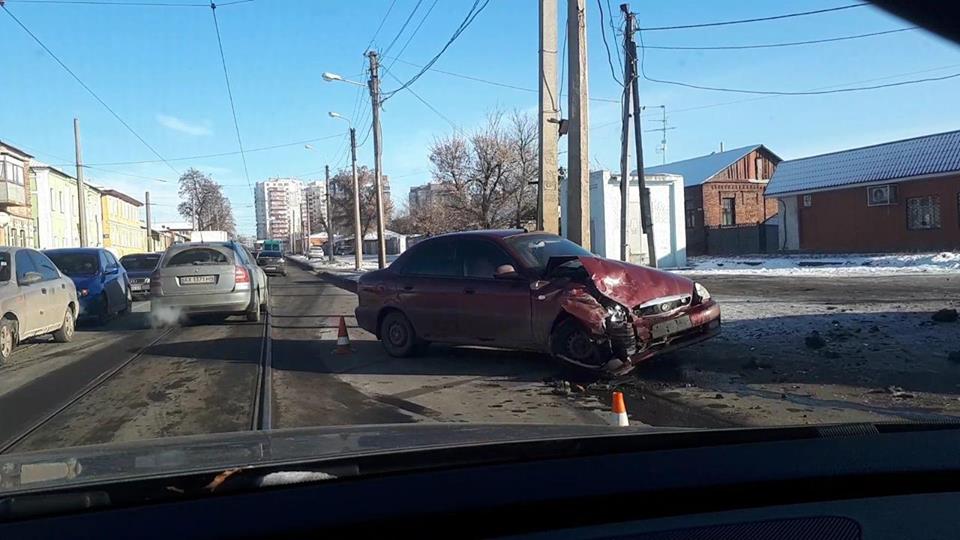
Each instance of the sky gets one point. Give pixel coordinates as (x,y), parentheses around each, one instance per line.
(159,69)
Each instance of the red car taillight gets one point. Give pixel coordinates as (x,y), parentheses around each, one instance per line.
(241,278)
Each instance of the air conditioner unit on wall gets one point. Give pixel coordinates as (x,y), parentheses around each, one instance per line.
(881,195)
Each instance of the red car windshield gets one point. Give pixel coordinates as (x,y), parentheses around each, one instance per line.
(535,250)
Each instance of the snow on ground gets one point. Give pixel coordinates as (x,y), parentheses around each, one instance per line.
(342,264)
(827,265)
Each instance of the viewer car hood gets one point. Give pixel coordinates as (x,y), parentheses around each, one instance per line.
(91,465)
(632,285)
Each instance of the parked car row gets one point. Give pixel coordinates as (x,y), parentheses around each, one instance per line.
(47,292)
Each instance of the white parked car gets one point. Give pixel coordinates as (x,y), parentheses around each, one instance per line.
(316,253)
(35,299)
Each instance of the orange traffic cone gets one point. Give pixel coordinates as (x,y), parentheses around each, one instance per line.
(343,339)
(619,416)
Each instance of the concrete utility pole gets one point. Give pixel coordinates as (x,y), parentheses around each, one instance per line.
(329,216)
(146,198)
(625,140)
(646,218)
(81,200)
(548,195)
(578,154)
(377,154)
(357,236)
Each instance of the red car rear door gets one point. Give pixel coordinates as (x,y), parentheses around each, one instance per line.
(429,286)
(492,311)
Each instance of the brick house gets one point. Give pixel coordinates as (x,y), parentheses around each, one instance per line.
(725,208)
(891,197)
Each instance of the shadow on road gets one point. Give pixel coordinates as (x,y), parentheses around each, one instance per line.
(236,349)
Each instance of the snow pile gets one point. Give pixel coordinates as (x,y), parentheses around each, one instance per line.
(904,263)
(341,263)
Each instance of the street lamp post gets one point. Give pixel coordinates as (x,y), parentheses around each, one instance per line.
(374,86)
(357,237)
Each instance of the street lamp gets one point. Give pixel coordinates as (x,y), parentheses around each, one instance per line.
(357,237)
(374,86)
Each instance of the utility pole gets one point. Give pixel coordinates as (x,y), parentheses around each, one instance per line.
(146,198)
(81,200)
(357,236)
(548,196)
(625,140)
(646,219)
(329,216)
(377,154)
(578,154)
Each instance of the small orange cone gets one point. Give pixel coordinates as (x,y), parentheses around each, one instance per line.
(343,339)
(619,416)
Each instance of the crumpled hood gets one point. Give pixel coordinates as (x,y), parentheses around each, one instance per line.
(632,285)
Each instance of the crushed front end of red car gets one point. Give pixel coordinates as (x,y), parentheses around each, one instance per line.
(636,312)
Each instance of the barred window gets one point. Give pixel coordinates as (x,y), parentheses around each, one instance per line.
(923,213)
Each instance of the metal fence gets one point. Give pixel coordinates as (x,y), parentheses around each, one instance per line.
(741,239)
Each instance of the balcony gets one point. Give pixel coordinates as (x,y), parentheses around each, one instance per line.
(12,194)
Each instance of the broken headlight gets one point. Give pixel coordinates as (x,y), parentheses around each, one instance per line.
(616,313)
(702,293)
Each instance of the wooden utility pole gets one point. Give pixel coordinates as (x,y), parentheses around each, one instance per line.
(625,141)
(146,198)
(646,218)
(578,154)
(329,216)
(377,155)
(81,199)
(548,195)
(357,234)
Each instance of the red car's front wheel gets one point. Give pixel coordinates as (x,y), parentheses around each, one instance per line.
(397,335)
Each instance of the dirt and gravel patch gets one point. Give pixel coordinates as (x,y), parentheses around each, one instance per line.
(816,350)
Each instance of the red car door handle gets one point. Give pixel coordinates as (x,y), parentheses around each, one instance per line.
(469,291)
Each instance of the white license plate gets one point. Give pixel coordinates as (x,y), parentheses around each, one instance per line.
(269,267)
(197,280)
(136,287)
(671,327)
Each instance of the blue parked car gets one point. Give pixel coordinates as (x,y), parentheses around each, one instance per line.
(103,287)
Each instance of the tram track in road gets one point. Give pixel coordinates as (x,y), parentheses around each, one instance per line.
(96,383)
(262,417)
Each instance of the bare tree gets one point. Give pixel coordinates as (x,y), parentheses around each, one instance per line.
(341,199)
(203,203)
(487,173)
(526,168)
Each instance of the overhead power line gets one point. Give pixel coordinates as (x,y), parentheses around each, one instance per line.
(758,19)
(414,33)
(773,45)
(216,155)
(403,27)
(643,72)
(121,3)
(606,45)
(475,10)
(492,83)
(233,108)
(425,102)
(88,89)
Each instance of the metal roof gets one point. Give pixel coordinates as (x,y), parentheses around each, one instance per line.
(898,160)
(696,171)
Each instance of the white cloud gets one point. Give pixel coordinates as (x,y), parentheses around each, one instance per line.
(183,126)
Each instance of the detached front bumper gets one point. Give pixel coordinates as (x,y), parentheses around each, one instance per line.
(704,323)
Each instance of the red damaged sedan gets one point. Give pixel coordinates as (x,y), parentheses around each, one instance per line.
(532,291)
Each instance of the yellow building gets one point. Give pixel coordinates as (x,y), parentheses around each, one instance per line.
(56,212)
(122,233)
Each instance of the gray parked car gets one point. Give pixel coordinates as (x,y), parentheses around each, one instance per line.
(35,299)
(211,278)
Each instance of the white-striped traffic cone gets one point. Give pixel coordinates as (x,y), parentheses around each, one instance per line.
(343,339)
(619,415)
